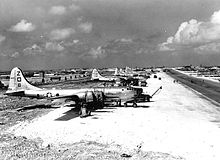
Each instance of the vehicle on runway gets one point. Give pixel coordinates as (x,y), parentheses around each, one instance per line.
(86,99)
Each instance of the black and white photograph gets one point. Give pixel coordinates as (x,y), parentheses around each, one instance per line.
(110,79)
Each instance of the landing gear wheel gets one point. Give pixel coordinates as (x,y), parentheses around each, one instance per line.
(125,104)
(89,113)
(101,106)
(119,103)
(148,98)
(83,111)
(134,104)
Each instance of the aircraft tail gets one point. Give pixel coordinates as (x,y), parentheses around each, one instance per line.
(95,75)
(116,72)
(127,70)
(18,83)
(121,71)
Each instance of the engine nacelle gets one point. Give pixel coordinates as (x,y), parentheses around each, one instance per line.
(99,95)
(89,97)
(92,99)
(86,97)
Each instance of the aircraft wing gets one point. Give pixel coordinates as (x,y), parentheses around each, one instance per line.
(74,96)
(62,102)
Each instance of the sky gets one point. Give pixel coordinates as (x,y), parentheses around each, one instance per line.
(51,34)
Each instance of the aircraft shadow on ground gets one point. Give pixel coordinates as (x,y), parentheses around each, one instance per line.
(71,114)
(38,106)
(142,107)
(137,107)
(106,109)
(101,111)
(74,112)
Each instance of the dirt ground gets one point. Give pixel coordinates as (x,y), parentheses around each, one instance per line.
(177,124)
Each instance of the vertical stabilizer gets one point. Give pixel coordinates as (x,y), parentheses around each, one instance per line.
(18,82)
(121,72)
(128,70)
(95,75)
(116,72)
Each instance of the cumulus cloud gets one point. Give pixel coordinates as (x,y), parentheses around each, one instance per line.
(74,8)
(75,41)
(211,48)
(2,38)
(85,27)
(59,34)
(53,46)
(58,10)
(126,40)
(71,43)
(166,46)
(15,55)
(33,50)
(3,55)
(23,26)
(215,18)
(95,53)
(194,33)
(142,51)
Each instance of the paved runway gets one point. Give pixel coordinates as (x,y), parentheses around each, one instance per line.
(208,88)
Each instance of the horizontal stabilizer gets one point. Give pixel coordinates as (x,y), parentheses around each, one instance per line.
(15,93)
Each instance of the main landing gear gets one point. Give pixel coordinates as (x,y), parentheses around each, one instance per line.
(84,111)
(134,104)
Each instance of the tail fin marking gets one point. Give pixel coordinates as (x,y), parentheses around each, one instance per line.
(95,74)
(18,82)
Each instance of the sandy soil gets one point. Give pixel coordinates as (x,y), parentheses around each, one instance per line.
(178,121)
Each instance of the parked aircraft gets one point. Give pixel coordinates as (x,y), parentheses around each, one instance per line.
(124,80)
(118,77)
(126,73)
(118,72)
(97,76)
(135,82)
(85,99)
